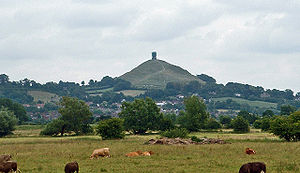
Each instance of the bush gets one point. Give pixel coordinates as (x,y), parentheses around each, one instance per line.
(196,139)
(111,128)
(53,128)
(7,122)
(175,133)
(240,125)
(213,124)
(287,128)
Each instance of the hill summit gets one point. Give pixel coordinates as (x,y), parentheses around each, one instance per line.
(155,74)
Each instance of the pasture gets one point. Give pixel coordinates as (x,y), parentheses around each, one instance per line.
(36,154)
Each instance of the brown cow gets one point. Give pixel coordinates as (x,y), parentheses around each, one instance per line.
(5,157)
(9,166)
(147,153)
(249,151)
(71,167)
(133,154)
(103,152)
(253,167)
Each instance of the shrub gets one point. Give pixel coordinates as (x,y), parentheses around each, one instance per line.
(53,128)
(175,133)
(7,122)
(240,125)
(287,127)
(111,129)
(196,139)
(213,124)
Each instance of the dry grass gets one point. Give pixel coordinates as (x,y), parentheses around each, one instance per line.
(50,154)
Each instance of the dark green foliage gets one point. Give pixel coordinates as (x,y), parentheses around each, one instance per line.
(111,128)
(287,128)
(213,124)
(53,128)
(206,78)
(176,133)
(287,109)
(268,113)
(141,115)
(240,125)
(166,124)
(225,121)
(121,85)
(75,116)
(17,109)
(7,122)
(248,116)
(195,115)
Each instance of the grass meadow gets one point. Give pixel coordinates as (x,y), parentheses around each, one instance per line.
(36,154)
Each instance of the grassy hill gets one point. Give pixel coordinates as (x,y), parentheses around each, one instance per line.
(43,96)
(155,74)
(259,104)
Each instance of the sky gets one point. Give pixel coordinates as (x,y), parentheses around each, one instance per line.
(251,41)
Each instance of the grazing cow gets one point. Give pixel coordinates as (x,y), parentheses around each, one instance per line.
(5,157)
(253,167)
(147,153)
(133,154)
(71,167)
(103,152)
(250,151)
(8,166)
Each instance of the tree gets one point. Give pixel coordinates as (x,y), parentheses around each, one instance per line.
(248,116)
(141,115)
(213,124)
(17,109)
(240,125)
(287,109)
(195,115)
(111,129)
(268,113)
(7,122)
(4,79)
(287,127)
(206,78)
(225,121)
(75,116)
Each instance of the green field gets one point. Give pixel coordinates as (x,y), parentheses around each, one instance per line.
(50,154)
(132,93)
(43,96)
(259,104)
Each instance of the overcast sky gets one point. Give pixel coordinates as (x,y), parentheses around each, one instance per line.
(248,41)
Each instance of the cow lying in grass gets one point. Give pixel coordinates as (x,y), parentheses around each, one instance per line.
(9,166)
(139,153)
(71,167)
(103,152)
(250,151)
(253,167)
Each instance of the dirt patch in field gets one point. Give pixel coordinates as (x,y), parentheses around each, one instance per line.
(176,141)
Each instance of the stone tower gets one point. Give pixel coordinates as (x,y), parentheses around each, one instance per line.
(154,54)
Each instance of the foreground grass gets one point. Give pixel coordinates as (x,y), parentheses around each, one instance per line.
(48,154)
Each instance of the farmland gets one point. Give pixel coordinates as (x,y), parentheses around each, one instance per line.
(50,154)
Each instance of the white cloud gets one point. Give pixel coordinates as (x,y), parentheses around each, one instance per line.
(251,41)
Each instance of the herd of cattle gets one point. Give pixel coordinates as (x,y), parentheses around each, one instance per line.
(7,165)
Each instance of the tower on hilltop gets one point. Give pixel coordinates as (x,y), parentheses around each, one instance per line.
(154,54)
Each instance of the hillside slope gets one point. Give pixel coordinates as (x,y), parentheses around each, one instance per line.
(155,74)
